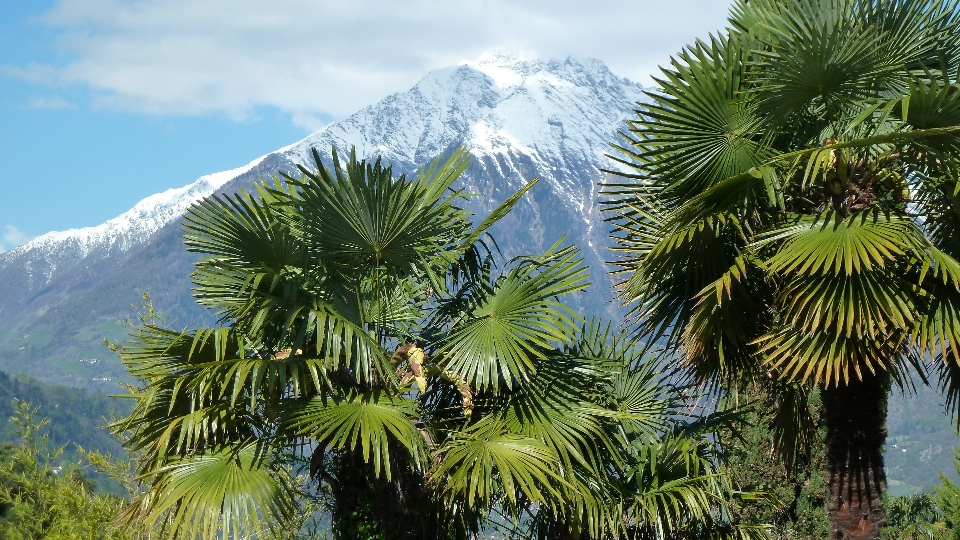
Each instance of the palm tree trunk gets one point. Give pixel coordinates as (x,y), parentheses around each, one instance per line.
(856,415)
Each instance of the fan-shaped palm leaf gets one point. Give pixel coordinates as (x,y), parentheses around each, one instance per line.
(358,217)
(370,422)
(215,494)
(516,321)
(707,133)
(486,460)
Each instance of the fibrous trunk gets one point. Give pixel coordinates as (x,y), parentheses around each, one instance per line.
(856,416)
(368,506)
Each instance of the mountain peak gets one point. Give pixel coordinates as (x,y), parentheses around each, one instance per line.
(500,102)
(507,69)
(520,116)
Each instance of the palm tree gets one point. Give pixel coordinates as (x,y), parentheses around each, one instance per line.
(914,517)
(792,219)
(371,341)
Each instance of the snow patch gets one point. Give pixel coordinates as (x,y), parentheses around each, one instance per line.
(134,226)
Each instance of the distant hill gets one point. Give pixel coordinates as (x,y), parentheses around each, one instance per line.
(77,417)
(921,439)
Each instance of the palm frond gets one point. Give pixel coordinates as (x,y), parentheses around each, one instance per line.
(715,343)
(831,243)
(516,321)
(357,217)
(813,54)
(221,493)
(704,131)
(486,460)
(369,422)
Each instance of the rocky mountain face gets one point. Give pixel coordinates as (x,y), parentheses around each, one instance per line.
(521,118)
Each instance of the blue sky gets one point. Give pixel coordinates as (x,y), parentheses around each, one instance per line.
(104,102)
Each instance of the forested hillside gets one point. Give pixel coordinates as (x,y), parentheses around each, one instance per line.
(76,416)
(920,441)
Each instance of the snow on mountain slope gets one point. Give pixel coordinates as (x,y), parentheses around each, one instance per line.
(556,112)
(134,226)
(28,269)
(520,117)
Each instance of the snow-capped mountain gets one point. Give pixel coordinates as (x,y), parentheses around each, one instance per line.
(130,228)
(556,112)
(519,117)
(28,269)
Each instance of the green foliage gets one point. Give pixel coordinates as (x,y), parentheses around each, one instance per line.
(799,192)
(915,517)
(794,497)
(926,516)
(946,499)
(77,419)
(76,416)
(790,219)
(39,500)
(42,496)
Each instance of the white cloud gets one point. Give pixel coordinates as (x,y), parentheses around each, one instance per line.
(325,59)
(55,102)
(13,238)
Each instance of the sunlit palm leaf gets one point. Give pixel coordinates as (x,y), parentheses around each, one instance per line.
(486,460)
(244,243)
(807,58)
(932,103)
(869,305)
(674,484)
(831,243)
(516,321)
(556,407)
(830,253)
(242,229)
(705,133)
(216,494)
(668,298)
(645,399)
(369,422)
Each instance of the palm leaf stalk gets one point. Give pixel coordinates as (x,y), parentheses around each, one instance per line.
(791,217)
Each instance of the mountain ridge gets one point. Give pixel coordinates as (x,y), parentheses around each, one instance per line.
(54,254)
(520,118)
